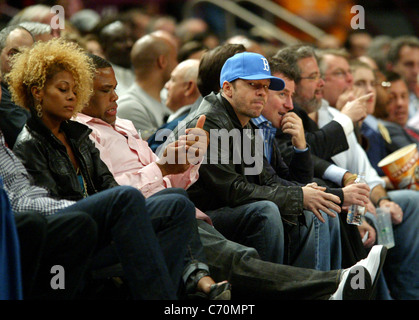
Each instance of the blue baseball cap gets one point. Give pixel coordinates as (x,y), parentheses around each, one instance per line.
(249,66)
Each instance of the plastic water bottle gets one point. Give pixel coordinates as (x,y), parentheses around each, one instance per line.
(355,211)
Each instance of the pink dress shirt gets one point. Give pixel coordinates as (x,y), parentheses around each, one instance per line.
(132,162)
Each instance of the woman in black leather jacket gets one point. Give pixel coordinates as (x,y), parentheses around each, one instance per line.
(56,151)
(70,168)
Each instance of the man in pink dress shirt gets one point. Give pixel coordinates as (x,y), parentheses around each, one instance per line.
(135,164)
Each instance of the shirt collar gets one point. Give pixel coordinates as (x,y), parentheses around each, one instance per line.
(260,120)
(371,121)
(88,119)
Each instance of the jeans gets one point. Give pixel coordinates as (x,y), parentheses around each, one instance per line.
(257,225)
(333,251)
(315,245)
(122,216)
(253,278)
(66,240)
(402,261)
(195,258)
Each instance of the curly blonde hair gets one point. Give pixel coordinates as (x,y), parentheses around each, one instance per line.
(33,66)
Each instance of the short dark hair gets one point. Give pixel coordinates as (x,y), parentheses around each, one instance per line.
(397,44)
(99,62)
(293,53)
(347,44)
(281,66)
(392,76)
(190,48)
(211,64)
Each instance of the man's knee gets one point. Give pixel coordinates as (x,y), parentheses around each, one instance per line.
(265,214)
(183,204)
(266,209)
(167,191)
(406,199)
(130,192)
(179,206)
(82,227)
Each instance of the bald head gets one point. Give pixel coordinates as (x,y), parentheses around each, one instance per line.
(168,36)
(182,89)
(152,53)
(12,40)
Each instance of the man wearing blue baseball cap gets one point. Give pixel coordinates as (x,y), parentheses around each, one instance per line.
(231,184)
(242,199)
(249,66)
(244,71)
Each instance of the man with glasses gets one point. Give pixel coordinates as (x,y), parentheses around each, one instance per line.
(307,99)
(337,79)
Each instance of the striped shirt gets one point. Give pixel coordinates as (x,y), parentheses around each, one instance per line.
(268,132)
(23,196)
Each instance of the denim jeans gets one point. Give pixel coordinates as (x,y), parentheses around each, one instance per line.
(122,217)
(195,258)
(253,278)
(257,225)
(315,245)
(66,240)
(333,250)
(402,262)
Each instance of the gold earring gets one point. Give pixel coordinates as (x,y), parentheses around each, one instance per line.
(39,110)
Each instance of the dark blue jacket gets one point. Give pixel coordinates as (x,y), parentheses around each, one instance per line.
(10,271)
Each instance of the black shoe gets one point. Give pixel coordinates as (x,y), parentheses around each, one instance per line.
(218,291)
(221,291)
(358,284)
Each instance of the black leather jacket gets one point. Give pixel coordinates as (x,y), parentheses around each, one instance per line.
(221,185)
(47,161)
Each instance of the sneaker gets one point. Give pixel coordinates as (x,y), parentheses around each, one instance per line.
(351,287)
(369,269)
(374,263)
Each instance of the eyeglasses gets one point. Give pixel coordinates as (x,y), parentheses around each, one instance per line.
(314,77)
(341,73)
